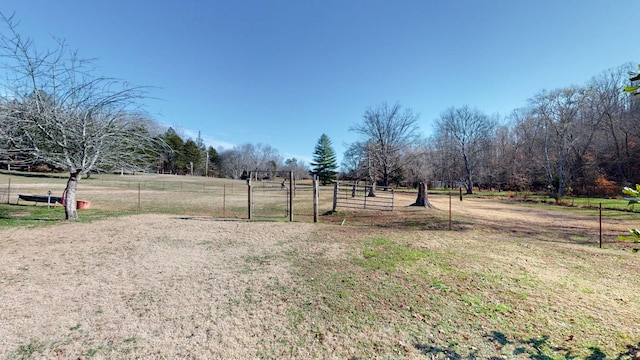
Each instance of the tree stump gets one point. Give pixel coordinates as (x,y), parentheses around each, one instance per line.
(423,199)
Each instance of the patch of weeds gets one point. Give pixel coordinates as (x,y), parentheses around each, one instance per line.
(386,255)
(75,327)
(232,300)
(296,317)
(90,353)
(250,297)
(259,259)
(440,285)
(252,262)
(586,290)
(27,351)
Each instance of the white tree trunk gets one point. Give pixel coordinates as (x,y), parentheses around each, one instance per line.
(70,208)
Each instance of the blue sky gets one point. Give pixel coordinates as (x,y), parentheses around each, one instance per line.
(283,72)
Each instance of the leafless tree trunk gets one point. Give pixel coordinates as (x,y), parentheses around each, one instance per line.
(422,199)
(71,213)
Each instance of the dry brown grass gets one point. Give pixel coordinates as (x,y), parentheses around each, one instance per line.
(511,281)
(148,285)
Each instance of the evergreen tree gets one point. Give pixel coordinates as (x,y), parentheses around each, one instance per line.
(214,161)
(324,161)
(193,157)
(174,159)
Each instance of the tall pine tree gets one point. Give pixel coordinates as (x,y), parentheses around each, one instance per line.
(324,161)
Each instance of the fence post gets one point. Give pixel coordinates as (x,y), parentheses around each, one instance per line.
(249,195)
(224,200)
(600,225)
(139,196)
(335,196)
(449,210)
(9,190)
(291,192)
(365,197)
(315,198)
(393,197)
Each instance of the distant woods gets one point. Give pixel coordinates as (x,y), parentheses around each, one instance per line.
(576,140)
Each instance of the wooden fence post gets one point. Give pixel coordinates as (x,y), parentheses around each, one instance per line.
(335,196)
(315,198)
(449,210)
(291,192)
(249,195)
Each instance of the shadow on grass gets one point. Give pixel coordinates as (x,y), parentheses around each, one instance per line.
(534,348)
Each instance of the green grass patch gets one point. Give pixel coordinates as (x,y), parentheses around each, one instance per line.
(386,255)
(38,215)
(392,297)
(29,215)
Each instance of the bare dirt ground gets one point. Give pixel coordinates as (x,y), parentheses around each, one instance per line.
(166,286)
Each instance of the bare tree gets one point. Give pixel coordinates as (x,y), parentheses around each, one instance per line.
(468,132)
(56,112)
(232,163)
(249,157)
(298,167)
(527,142)
(419,168)
(609,101)
(560,112)
(353,164)
(388,131)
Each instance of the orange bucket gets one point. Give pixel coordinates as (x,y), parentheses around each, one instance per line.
(83,204)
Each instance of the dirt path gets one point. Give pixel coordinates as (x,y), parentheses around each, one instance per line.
(521,218)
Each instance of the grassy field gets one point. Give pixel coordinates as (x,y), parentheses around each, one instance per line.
(164,194)
(189,283)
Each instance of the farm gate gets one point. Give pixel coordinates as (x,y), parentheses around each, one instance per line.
(273,199)
(357,196)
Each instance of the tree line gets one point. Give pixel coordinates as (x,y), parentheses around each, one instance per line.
(192,157)
(575,140)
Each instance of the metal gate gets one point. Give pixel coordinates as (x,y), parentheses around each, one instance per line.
(356,196)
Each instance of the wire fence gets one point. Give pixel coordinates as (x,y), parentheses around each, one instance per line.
(171,194)
(270,200)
